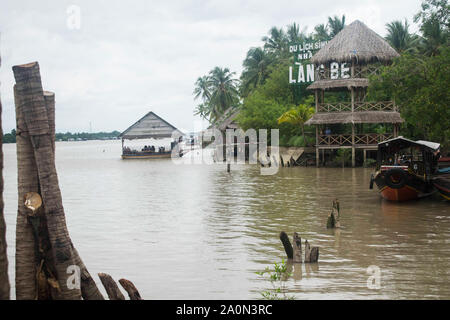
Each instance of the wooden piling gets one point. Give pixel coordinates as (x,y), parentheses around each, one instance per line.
(287,245)
(311,254)
(297,246)
(334,217)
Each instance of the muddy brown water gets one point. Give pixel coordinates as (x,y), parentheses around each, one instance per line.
(197,232)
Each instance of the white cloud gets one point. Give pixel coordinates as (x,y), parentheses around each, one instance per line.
(132,57)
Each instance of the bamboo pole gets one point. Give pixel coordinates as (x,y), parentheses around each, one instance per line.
(4,279)
(32,106)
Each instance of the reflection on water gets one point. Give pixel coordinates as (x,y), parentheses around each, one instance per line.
(198,232)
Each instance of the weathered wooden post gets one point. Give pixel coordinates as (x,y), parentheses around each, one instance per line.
(111,287)
(297,246)
(4,280)
(311,254)
(39,174)
(287,245)
(129,287)
(333,220)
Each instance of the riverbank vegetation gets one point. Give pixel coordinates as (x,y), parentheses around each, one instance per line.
(417,80)
(69,136)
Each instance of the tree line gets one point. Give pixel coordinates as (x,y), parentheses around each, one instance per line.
(69,136)
(417,80)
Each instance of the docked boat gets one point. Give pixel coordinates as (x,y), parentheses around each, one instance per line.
(405,169)
(442,178)
(152,127)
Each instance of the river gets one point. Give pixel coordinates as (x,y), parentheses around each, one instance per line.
(198,232)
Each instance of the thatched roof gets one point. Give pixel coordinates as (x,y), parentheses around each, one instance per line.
(150,126)
(226,121)
(355,41)
(355,117)
(339,83)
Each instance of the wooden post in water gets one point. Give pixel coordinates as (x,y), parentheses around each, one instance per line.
(111,287)
(297,241)
(287,245)
(130,288)
(311,254)
(35,129)
(334,217)
(4,280)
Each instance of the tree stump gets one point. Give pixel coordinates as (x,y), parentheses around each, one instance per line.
(287,245)
(129,287)
(111,287)
(297,246)
(311,254)
(334,217)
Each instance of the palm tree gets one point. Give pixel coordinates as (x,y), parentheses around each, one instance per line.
(399,37)
(336,25)
(297,116)
(434,37)
(321,32)
(201,89)
(276,42)
(223,89)
(294,34)
(203,110)
(255,69)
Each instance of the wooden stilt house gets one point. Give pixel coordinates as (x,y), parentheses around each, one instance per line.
(344,65)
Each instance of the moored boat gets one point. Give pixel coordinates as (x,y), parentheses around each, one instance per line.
(442,179)
(405,169)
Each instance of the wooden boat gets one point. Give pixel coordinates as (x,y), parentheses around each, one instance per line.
(151,126)
(405,169)
(441,180)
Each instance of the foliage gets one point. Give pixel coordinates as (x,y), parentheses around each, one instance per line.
(399,36)
(256,69)
(277,277)
(419,85)
(335,25)
(218,91)
(369,163)
(297,116)
(343,156)
(10,137)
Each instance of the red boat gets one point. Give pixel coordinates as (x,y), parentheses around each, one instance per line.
(405,169)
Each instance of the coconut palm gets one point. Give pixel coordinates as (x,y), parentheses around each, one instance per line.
(321,32)
(294,34)
(399,37)
(335,25)
(224,91)
(434,37)
(276,42)
(255,69)
(201,88)
(297,116)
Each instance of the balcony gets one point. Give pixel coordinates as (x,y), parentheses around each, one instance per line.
(358,106)
(342,140)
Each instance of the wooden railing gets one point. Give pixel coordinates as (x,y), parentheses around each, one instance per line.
(358,106)
(324,72)
(346,139)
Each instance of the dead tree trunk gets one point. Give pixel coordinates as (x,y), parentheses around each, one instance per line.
(311,254)
(334,217)
(111,287)
(287,245)
(34,111)
(4,280)
(129,287)
(27,182)
(297,245)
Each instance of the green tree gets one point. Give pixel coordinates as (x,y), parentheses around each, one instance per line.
(419,85)
(335,25)
(276,42)
(297,117)
(321,32)
(256,70)
(399,36)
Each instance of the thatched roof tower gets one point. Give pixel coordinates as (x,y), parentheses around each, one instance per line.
(355,42)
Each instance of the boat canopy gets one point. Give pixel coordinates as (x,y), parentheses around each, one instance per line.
(150,126)
(402,142)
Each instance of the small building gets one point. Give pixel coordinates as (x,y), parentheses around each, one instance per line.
(344,65)
(150,126)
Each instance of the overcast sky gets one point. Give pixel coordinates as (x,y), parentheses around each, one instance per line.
(131,57)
